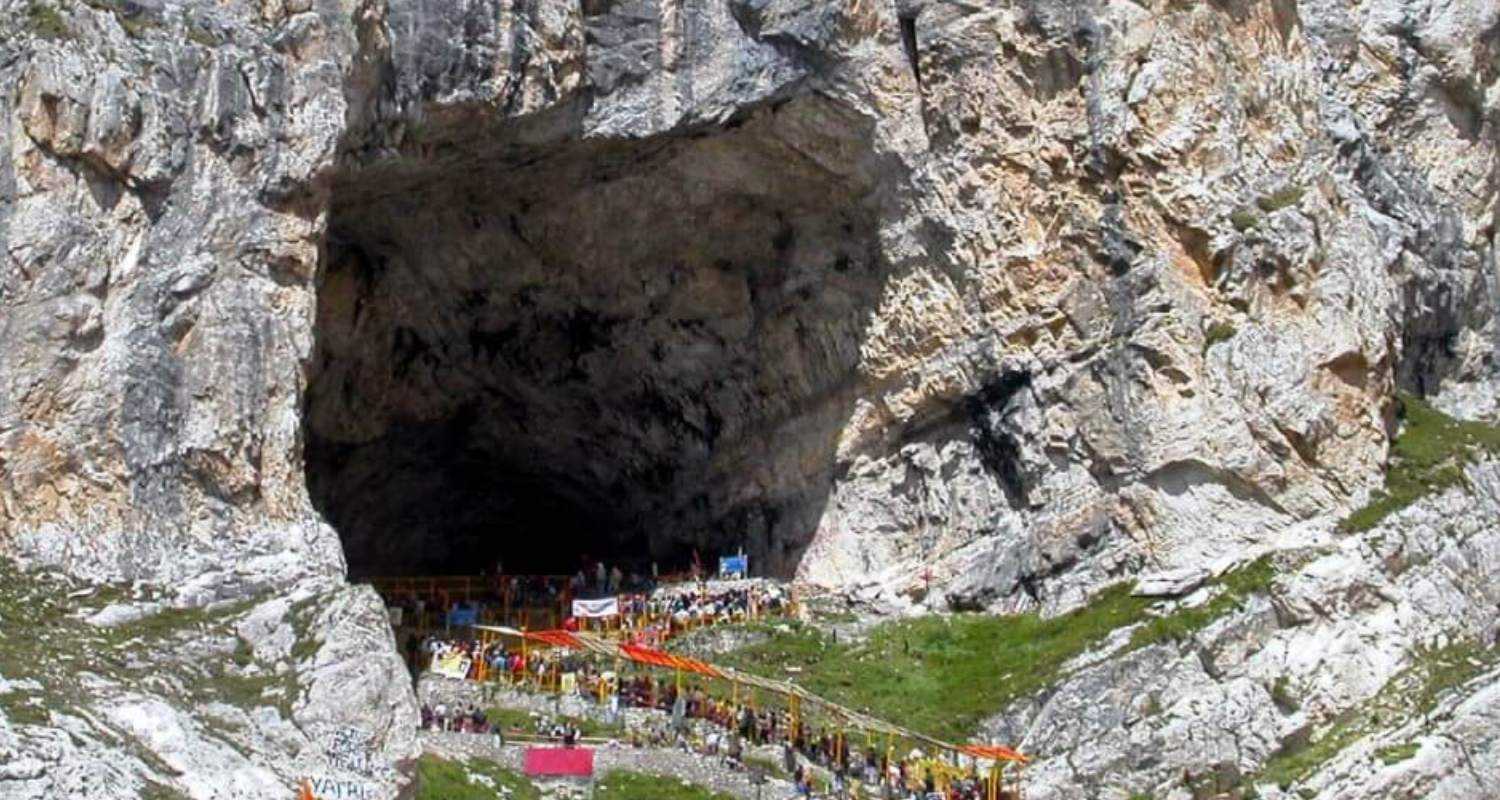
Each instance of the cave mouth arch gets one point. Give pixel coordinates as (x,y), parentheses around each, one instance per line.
(632,350)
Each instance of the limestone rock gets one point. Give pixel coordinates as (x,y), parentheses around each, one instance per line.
(1351,646)
(948,304)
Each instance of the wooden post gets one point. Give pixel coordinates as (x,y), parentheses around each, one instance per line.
(483,662)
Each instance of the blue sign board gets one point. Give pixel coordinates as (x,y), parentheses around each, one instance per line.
(738,566)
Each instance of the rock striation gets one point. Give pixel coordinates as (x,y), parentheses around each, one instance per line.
(950,305)
(1367,667)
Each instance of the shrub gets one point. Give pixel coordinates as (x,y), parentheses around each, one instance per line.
(1282,696)
(1244,220)
(1395,754)
(1280,199)
(1216,333)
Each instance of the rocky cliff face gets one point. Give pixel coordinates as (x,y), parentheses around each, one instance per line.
(1360,667)
(949,304)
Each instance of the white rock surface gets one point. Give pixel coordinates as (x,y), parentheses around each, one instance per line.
(1342,635)
(999,303)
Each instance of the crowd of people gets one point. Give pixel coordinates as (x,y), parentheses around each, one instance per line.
(726,603)
(443,718)
(645,610)
(697,721)
(691,719)
(643,619)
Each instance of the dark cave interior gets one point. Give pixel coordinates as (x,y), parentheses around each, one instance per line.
(632,350)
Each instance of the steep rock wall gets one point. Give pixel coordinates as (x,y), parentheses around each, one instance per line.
(1142,278)
(1136,268)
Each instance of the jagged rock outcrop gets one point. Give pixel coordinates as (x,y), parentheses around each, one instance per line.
(951,304)
(1367,667)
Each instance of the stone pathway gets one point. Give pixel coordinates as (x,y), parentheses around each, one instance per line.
(706,771)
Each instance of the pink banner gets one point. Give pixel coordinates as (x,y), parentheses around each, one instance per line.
(559,762)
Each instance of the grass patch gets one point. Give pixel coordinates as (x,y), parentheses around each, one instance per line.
(513,719)
(47,22)
(1427,457)
(1395,754)
(191,656)
(622,785)
(1281,695)
(1415,691)
(243,655)
(1180,625)
(305,643)
(1300,756)
(441,779)
(1244,220)
(25,708)
(1217,333)
(1442,669)
(170,622)
(160,791)
(1280,199)
(768,767)
(941,675)
(591,728)
(200,35)
(305,648)
(248,691)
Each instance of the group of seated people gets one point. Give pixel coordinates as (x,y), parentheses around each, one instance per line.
(718,604)
(442,718)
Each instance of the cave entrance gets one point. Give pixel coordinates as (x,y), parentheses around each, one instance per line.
(630,350)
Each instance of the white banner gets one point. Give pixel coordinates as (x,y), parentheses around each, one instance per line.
(593,609)
(453,665)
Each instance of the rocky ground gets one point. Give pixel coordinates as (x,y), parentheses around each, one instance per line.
(115,692)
